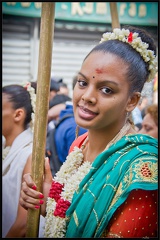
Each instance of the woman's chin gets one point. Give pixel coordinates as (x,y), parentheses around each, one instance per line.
(81,122)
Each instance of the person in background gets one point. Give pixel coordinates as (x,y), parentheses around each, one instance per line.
(55,97)
(66,131)
(63,88)
(137,118)
(108,185)
(150,121)
(54,88)
(143,105)
(139,112)
(53,112)
(17,110)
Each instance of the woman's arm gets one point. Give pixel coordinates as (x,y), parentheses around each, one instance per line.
(53,113)
(18,229)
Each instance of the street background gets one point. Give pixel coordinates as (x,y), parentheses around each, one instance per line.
(78,28)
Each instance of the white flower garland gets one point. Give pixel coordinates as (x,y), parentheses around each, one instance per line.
(70,175)
(31,91)
(125,35)
(5,152)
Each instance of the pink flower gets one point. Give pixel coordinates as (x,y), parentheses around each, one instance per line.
(61,208)
(55,190)
(130,37)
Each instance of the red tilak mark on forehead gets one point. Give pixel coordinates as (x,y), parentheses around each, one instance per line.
(99,70)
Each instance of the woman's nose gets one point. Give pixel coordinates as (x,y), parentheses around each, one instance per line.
(89,96)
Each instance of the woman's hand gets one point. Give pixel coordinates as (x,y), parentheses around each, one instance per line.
(30,198)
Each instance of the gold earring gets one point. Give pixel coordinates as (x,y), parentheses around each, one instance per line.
(129,119)
(127,116)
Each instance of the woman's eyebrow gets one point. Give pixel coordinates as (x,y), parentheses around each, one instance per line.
(108,81)
(82,75)
(102,82)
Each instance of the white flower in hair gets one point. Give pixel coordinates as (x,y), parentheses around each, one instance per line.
(125,35)
(31,91)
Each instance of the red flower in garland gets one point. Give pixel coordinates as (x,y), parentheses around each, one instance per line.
(130,37)
(61,208)
(27,85)
(55,190)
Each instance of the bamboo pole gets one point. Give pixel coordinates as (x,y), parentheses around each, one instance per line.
(114,15)
(42,99)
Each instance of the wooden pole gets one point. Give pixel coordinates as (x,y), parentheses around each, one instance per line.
(42,100)
(114,15)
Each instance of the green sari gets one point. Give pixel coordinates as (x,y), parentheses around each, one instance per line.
(131,163)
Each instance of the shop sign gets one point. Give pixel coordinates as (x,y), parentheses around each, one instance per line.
(136,13)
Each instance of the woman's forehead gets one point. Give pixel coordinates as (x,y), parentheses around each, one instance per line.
(100,59)
(103,63)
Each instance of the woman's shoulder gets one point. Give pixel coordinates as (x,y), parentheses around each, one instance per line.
(78,141)
(140,138)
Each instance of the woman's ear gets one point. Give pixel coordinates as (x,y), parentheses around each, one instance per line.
(19,115)
(133,101)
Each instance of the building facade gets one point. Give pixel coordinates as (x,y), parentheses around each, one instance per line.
(78,28)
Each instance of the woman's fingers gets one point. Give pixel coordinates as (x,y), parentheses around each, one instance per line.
(47,171)
(30,198)
(28,179)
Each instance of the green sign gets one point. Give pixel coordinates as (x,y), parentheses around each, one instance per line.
(30,9)
(136,13)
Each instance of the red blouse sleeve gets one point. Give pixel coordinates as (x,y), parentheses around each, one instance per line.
(78,142)
(136,217)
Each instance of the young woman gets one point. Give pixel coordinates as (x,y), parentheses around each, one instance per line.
(107,186)
(17,108)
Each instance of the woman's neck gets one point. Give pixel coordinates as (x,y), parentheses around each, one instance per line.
(12,136)
(100,141)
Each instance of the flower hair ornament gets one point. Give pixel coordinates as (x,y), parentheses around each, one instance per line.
(32,94)
(132,39)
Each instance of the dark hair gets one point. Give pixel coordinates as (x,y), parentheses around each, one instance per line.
(20,98)
(54,85)
(137,72)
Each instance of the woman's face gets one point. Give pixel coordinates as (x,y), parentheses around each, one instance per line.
(101,93)
(7,116)
(149,126)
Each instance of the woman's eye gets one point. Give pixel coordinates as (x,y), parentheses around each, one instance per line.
(82,83)
(148,129)
(107,90)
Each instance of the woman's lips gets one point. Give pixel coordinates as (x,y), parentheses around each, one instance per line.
(86,113)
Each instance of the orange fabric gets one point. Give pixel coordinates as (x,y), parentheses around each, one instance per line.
(137,216)
(78,142)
